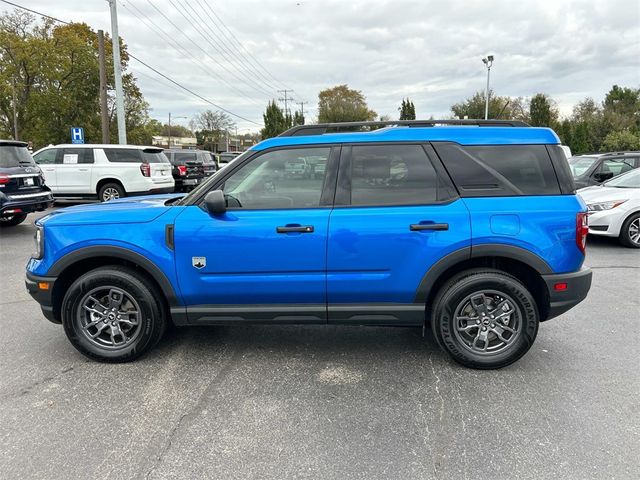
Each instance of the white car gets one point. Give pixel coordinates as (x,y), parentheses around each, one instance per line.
(614,208)
(104,171)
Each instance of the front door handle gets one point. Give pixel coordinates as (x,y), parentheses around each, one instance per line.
(418,227)
(295,229)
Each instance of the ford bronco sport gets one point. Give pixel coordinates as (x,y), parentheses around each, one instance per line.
(472,228)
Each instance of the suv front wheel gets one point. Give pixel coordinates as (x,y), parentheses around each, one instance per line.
(485,319)
(112,314)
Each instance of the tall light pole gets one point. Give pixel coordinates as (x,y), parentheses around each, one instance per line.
(122,129)
(169,143)
(488,61)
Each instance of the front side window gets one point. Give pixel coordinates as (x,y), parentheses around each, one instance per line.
(46,157)
(616,166)
(392,175)
(290,178)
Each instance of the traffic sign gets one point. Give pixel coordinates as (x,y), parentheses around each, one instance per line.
(77,135)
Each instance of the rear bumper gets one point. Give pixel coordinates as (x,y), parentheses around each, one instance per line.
(577,286)
(28,204)
(42,296)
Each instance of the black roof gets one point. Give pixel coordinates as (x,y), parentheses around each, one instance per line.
(13,143)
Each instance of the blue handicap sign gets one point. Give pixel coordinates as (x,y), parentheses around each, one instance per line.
(77,135)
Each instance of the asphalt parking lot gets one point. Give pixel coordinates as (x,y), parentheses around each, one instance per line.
(324,402)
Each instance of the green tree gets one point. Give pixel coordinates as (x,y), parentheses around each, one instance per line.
(50,73)
(407,110)
(342,104)
(275,121)
(211,128)
(542,111)
(473,107)
(621,140)
(298,118)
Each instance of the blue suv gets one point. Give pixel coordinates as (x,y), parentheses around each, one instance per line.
(472,228)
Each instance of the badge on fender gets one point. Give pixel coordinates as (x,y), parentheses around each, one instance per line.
(199,262)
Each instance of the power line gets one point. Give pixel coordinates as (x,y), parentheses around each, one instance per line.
(232,36)
(146,21)
(206,100)
(247,65)
(232,58)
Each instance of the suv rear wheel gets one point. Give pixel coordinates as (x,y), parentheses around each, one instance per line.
(110,191)
(485,319)
(112,314)
(630,232)
(13,220)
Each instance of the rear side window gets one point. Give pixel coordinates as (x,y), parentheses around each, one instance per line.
(392,175)
(123,155)
(14,156)
(499,170)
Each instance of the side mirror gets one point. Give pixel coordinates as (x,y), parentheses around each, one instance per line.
(602,176)
(215,202)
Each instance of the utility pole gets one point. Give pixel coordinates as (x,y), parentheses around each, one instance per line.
(103,88)
(285,99)
(488,61)
(15,112)
(302,109)
(236,138)
(122,128)
(169,146)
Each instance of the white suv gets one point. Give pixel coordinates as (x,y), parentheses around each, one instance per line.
(105,171)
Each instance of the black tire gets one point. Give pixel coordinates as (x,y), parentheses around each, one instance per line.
(629,231)
(136,291)
(13,220)
(111,191)
(456,297)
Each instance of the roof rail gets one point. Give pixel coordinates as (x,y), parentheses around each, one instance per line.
(618,153)
(322,128)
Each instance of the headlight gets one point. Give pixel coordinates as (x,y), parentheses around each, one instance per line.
(596,207)
(39,240)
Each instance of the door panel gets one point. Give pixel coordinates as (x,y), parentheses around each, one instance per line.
(400,216)
(375,256)
(73,171)
(246,262)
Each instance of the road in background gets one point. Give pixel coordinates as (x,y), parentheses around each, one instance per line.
(323,402)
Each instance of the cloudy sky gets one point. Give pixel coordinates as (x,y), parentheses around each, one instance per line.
(428,50)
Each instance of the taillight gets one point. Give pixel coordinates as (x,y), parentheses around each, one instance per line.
(145,169)
(4,179)
(582,229)
(182,170)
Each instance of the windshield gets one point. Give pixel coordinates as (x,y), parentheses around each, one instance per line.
(626,180)
(154,156)
(579,165)
(14,156)
(205,186)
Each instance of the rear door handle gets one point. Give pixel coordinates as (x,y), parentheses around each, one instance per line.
(418,227)
(295,229)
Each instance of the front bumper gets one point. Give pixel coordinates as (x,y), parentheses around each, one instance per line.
(43,296)
(577,286)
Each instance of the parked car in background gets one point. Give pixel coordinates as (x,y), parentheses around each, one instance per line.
(297,167)
(188,167)
(597,168)
(105,172)
(614,208)
(22,186)
(225,157)
(475,232)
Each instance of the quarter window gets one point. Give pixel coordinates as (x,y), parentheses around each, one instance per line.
(291,178)
(392,175)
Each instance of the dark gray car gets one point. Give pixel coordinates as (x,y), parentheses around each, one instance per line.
(594,169)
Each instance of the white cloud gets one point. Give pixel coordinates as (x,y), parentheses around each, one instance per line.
(427,50)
